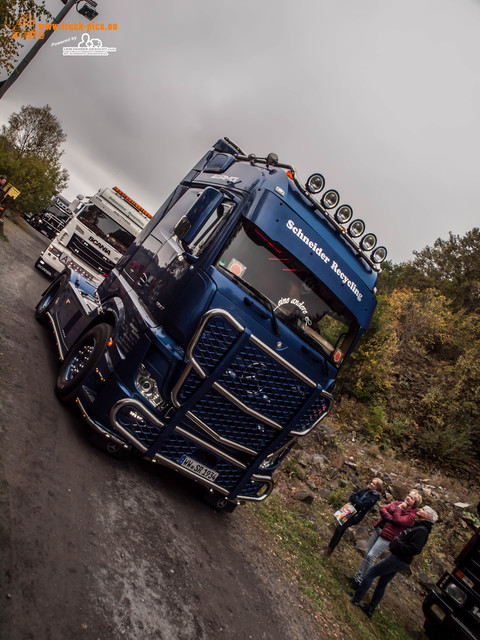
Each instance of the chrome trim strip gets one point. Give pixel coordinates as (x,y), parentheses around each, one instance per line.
(213,434)
(57,338)
(190,436)
(139,406)
(265,480)
(305,432)
(97,427)
(285,364)
(246,409)
(186,472)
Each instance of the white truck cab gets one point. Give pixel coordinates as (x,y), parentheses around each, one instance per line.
(96,237)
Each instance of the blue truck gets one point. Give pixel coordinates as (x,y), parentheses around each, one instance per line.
(215,341)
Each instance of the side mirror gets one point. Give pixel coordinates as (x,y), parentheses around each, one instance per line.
(182,227)
(199,213)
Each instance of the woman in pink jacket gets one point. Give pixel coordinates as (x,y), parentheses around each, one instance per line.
(394,518)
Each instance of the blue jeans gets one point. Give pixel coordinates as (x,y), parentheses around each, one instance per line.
(385,570)
(376,546)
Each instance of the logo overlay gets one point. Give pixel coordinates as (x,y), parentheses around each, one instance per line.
(88,47)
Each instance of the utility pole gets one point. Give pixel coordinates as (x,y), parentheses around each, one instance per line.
(69,4)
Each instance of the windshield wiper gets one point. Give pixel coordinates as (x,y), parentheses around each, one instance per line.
(260,296)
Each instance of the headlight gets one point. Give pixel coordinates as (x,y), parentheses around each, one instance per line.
(456,593)
(379,254)
(343,214)
(368,242)
(315,183)
(54,250)
(330,199)
(356,228)
(147,385)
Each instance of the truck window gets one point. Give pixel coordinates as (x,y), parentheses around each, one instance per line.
(299,298)
(106,228)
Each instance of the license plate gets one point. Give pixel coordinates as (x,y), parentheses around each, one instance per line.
(198,468)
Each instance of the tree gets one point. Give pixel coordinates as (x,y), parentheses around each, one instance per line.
(10,12)
(30,156)
(35,131)
(453,267)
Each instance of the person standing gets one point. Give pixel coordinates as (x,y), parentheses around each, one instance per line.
(363,501)
(394,518)
(403,548)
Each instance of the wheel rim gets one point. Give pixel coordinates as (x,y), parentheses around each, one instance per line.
(45,303)
(80,360)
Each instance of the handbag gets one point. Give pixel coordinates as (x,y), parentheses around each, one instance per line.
(345,512)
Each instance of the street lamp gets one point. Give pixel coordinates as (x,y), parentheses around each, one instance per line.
(87,10)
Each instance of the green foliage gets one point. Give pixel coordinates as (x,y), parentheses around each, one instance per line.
(30,157)
(10,12)
(417,371)
(337,499)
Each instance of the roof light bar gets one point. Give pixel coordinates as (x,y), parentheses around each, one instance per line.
(330,199)
(379,255)
(315,183)
(344,214)
(356,228)
(368,242)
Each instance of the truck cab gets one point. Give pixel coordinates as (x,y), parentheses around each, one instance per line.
(225,324)
(97,235)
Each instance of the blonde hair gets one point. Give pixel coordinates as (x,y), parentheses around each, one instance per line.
(418,498)
(378,484)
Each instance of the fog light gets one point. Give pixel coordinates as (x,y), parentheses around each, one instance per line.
(147,385)
(456,593)
(379,254)
(315,183)
(343,214)
(330,199)
(368,242)
(356,228)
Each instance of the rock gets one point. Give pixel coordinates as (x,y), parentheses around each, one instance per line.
(425,580)
(349,463)
(319,461)
(311,485)
(361,545)
(462,505)
(304,496)
(325,493)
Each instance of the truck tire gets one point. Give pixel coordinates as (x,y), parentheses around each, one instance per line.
(81,360)
(48,298)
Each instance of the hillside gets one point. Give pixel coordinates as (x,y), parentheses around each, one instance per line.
(318,477)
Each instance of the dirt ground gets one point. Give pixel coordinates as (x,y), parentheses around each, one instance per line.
(97,548)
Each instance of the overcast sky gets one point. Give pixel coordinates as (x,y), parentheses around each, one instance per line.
(381,96)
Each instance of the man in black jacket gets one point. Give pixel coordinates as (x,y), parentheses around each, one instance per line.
(363,501)
(403,548)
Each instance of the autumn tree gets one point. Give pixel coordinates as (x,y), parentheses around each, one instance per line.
(35,131)
(11,11)
(30,156)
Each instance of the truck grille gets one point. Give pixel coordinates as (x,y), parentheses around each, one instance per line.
(90,255)
(236,402)
(255,393)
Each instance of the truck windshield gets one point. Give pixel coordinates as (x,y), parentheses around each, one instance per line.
(58,213)
(106,228)
(299,299)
